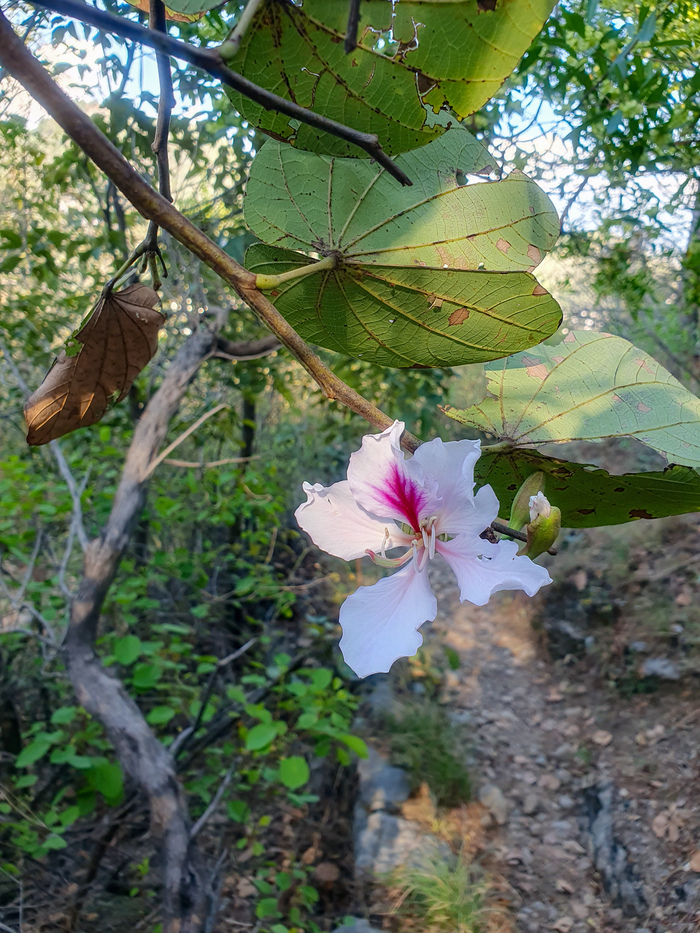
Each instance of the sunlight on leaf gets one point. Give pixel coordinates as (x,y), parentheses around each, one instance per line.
(591,386)
(433,275)
(454,54)
(97,365)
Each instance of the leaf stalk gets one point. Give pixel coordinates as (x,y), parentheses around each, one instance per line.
(267,283)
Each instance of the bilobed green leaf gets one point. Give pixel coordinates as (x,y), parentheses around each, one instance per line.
(433,275)
(411,317)
(438,53)
(467,48)
(589,387)
(587,495)
(297,52)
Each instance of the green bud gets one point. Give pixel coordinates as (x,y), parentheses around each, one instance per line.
(542,533)
(520,509)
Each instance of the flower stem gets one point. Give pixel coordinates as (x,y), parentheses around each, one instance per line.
(267,282)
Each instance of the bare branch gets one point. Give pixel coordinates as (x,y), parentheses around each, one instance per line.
(185,434)
(208,464)
(143,758)
(210,60)
(27,70)
(241,350)
(350,43)
(201,822)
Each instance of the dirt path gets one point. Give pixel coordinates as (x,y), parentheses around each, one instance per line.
(595,798)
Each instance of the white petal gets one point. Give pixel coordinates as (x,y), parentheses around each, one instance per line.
(380,622)
(384,483)
(479,578)
(462,516)
(337,524)
(451,464)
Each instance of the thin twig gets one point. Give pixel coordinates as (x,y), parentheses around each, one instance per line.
(183,437)
(29,633)
(198,826)
(79,127)
(502,529)
(209,689)
(210,60)
(350,43)
(209,464)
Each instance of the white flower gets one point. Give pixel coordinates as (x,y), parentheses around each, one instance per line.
(539,505)
(426,505)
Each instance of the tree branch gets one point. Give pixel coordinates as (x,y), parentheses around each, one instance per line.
(211,61)
(29,72)
(350,43)
(142,756)
(245,349)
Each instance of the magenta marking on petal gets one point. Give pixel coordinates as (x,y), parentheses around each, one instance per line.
(403,495)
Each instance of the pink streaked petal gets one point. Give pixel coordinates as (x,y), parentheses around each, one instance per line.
(468,516)
(451,464)
(380,622)
(480,578)
(337,524)
(384,483)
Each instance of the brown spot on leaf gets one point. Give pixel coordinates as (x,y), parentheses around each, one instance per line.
(645,366)
(558,359)
(639,513)
(535,368)
(643,408)
(538,290)
(486,6)
(619,489)
(503,245)
(534,254)
(585,511)
(459,316)
(570,337)
(424,83)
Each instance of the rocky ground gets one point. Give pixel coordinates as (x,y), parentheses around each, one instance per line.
(586,789)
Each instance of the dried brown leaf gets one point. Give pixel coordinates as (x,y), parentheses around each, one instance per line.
(97,366)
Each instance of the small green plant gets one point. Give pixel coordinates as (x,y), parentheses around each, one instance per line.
(443,898)
(424,742)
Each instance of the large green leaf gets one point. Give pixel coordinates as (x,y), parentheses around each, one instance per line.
(432,275)
(591,386)
(411,316)
(587,495)
(355,209)
(467,49)
(440,53)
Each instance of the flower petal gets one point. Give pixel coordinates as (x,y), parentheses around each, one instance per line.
(499,569)
(384,483)
(451,464)
(380,622)
(468,516)
(337,524)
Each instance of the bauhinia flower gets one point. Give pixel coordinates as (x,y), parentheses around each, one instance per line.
(427,506)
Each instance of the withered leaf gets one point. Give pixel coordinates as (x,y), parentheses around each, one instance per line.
(97,366)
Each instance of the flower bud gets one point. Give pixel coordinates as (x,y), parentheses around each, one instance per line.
(539,505)
(543,530)
(520,510)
